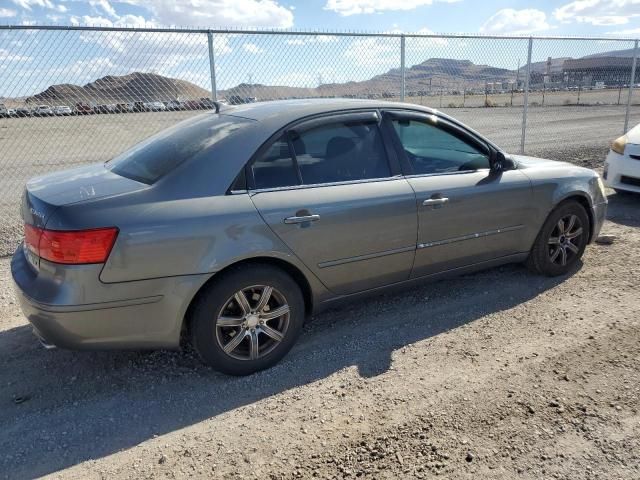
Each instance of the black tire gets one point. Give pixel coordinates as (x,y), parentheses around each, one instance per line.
(545,258)
(207,336)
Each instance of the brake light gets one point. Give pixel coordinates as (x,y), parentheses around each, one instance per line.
(71,246)
(32,238)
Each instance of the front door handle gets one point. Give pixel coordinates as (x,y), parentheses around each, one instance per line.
(301,219)
(435,201)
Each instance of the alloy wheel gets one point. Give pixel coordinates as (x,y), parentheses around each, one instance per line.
(252,322)
(565,240)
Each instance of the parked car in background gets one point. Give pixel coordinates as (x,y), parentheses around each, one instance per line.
(3,110)
(124,108)
(62,110)
(11,112)
(139,107)
(191,105)
(23,112)
(101,108)
(207,103)
(622,165)
(232,227)
(43,111)
(155,107)
(173,105)
(82,108)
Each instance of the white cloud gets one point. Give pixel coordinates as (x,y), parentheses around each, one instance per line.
(210,13)
(105,6)
(625,32)
(91,21)
(29,4)
(385,51)
(355,7)
(7,56)
(7,12)
(516,22)
(374,51)
(598,12)
(252,48)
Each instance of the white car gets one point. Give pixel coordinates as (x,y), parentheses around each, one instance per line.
(622,166)
(155,106)
(43,111)
(62,110)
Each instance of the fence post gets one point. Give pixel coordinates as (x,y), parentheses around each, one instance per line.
(631,82)
(212,67)
(526,97)
(402,69)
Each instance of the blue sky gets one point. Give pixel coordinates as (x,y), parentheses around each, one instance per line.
(565,17)
(32,60)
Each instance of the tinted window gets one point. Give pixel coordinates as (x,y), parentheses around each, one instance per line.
(275,168)
(341,152)
(158,155)
(433,150)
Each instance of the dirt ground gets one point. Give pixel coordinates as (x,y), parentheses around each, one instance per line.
(500,374)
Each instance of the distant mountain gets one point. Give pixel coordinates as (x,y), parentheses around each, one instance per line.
(119,89)
(447,71)
(427,76)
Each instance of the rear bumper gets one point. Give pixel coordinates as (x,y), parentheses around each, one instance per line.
(69,307)
(618,166)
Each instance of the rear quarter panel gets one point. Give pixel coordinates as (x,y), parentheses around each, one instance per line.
(168,238)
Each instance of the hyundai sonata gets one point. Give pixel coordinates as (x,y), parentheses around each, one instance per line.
(232,227)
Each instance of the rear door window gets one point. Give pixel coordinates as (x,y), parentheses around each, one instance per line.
(275,167)
(341,152)
(158,155)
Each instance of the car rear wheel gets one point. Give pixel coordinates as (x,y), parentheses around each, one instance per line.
(561,241)
(248,319)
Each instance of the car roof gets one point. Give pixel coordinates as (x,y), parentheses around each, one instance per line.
(277,113)
(290,110)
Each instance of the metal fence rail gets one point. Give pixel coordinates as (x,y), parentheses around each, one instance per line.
(76,95)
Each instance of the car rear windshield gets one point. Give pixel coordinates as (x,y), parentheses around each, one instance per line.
(158,155)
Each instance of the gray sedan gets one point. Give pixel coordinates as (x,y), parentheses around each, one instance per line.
(231,228)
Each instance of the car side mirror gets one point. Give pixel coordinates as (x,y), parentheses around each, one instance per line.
(502,163)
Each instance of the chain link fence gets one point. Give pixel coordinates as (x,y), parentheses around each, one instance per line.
(76,95)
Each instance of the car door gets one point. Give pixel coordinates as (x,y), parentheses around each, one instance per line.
(332,190)
(467,213)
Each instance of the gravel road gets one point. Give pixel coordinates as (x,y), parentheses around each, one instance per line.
(500,374)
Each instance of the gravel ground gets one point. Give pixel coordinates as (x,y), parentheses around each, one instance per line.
(500,374)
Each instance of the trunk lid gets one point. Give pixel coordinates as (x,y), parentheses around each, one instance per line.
(44,194)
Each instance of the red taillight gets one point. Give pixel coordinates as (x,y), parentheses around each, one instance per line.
(71,247)
(32,238)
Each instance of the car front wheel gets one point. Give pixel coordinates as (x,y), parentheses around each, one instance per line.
(248,319)
(561,241)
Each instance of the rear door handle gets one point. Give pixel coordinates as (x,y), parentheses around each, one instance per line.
(302,219)
(435,201)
